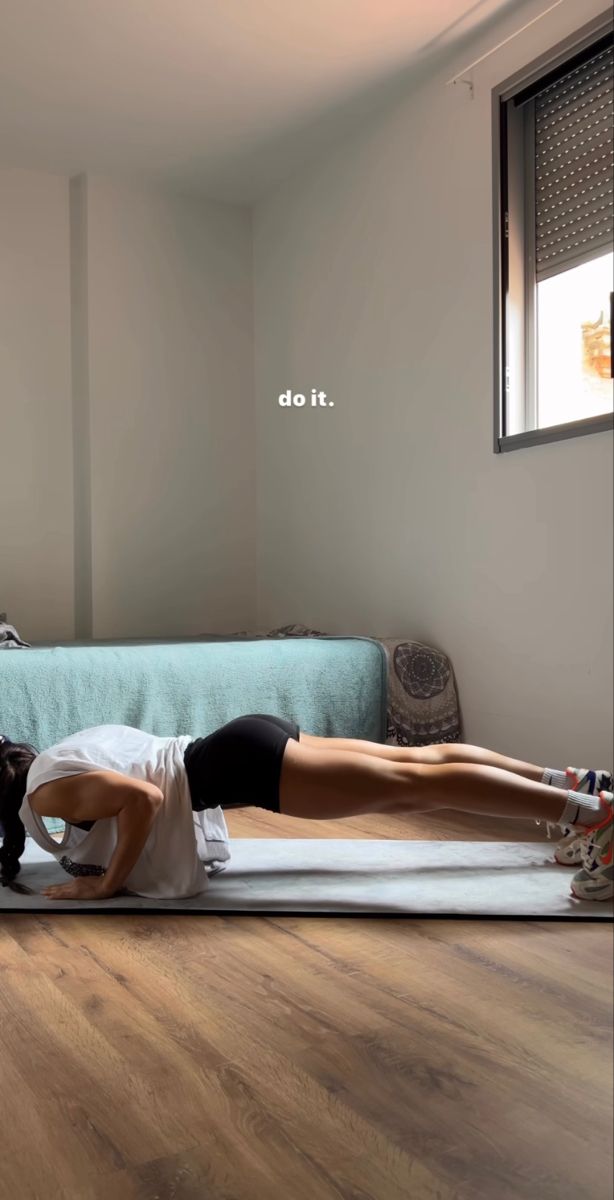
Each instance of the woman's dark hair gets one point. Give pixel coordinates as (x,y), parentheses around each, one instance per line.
(15,760)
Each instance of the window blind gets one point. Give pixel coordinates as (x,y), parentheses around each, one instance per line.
(574,161)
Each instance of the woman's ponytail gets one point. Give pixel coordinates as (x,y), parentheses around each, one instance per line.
(15,761)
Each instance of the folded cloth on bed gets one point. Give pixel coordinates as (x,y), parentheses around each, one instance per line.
(9,637)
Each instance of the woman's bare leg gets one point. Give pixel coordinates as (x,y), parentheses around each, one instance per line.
(437,755)
(327,784)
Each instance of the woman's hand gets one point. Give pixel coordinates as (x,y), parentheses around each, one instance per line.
(85,887)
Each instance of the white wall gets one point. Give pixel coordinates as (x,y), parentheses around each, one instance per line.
(127,470)
(389,513)
(386,514)
(36,498)
(172,420)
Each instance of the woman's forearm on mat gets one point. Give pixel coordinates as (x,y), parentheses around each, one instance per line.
(134,823)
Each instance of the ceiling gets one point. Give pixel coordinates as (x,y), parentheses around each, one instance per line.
(218,96)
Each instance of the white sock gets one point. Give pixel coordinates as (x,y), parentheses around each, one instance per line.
(580,809)
(556,778)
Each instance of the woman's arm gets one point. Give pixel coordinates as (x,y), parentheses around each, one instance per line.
(134,822)
(93,795)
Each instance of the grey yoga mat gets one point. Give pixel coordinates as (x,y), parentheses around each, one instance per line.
(321,875)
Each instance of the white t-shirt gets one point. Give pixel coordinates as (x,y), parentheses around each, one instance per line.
(183,848)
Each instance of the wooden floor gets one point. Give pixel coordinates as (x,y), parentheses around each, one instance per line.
(307,1058)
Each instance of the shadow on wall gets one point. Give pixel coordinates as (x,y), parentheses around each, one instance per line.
(271,159)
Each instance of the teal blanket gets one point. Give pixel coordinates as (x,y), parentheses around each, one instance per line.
(334,687)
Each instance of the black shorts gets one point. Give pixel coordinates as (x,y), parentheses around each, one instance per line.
(239,764)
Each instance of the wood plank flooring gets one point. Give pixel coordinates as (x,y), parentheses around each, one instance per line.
(307,1058)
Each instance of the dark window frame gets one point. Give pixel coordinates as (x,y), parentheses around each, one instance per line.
(542,68)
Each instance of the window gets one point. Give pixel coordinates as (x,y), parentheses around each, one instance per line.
(553,127)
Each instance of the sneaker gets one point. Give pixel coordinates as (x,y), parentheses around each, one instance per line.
(596,879)
(568,851)
(589,782)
